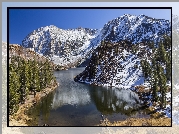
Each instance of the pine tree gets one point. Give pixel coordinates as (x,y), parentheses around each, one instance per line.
(14,86)
(25,74)
(35,76)
(42,76)
(167,42)
(160,69)
(151,45)
(162,85)
(46,77)
(146,68)
(168,66)
(48,74)
(22,90)
(161,53)
(154,79)
(154,83)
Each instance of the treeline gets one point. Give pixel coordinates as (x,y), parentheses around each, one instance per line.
(158,70)
(25,75)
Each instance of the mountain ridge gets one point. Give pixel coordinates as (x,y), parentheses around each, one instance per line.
(72,46)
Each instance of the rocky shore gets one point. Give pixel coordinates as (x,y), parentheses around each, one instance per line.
(21,117)
(156,119)
(163,121)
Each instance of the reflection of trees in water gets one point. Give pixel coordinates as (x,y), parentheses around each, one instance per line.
(42,108)
(114,100)
(46,106)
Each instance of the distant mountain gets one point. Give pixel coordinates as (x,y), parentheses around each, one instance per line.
(71,47)
(62,46)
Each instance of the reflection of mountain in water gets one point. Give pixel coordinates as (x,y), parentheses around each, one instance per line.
(107,101)
(115,100)
(70,97)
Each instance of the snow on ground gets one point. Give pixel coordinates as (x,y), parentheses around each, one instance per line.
(129,77)
(167,110)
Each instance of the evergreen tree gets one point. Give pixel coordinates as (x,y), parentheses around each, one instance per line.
(154,83)
(25,74)
(22,90)
(154,86)
(167,42)
(162,85)
(161,53)
(35,76)
(151,45)
(146,68)
(14,86)
(168,66)
(160,69)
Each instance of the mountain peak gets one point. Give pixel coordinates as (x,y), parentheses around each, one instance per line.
(66,46)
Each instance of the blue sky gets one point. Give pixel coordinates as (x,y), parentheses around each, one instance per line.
(24,21)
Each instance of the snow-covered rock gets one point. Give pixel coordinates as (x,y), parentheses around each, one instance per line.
(62,46)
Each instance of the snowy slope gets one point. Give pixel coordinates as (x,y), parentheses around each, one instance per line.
(73,46)
(109,67)
(136,28)
(118,69)
(62,46)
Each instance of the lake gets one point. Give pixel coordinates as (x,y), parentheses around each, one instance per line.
(79,104)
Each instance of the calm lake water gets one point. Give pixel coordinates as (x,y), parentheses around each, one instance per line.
(78,104)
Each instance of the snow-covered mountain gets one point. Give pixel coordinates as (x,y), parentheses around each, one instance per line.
(116,65)
(117,60)
(71,47)
(62,46)
(136,28)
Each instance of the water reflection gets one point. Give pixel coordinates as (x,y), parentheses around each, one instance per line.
(106,100)
(78,104)
(71,96)
(114,100)
(41,111)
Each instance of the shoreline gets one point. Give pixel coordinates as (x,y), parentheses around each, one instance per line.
(152,121)
(21,117)
(156,118)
